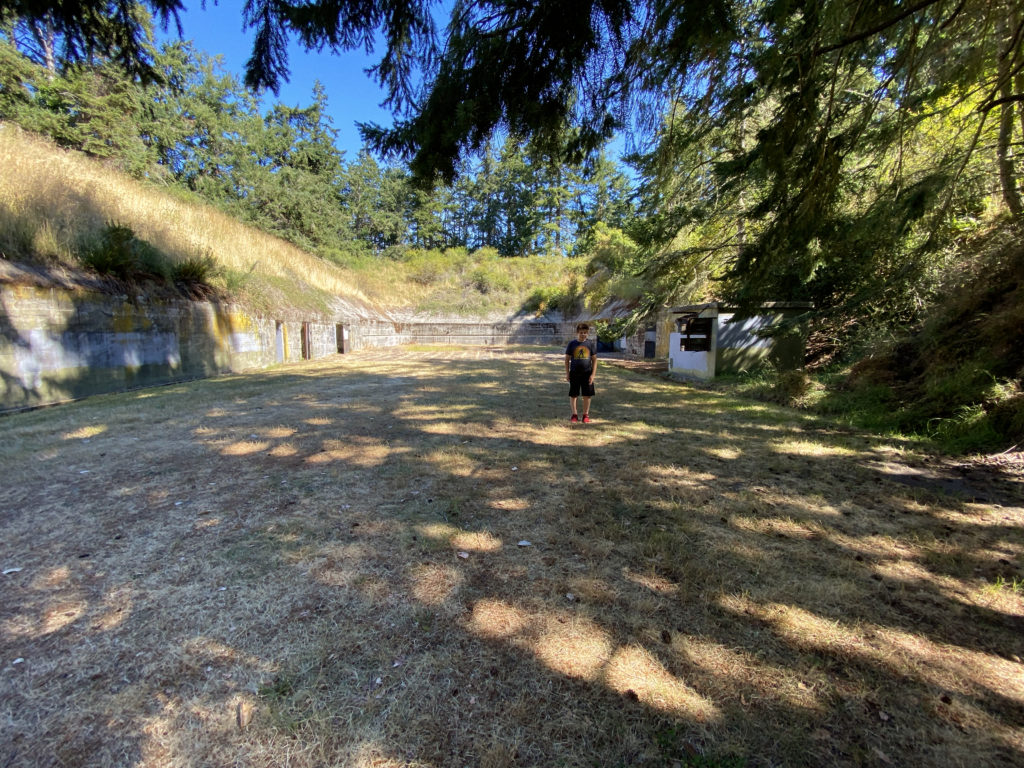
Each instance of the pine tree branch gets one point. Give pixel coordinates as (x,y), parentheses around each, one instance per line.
(876,29)
(999,102)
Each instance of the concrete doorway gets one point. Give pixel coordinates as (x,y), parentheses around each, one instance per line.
(307,346)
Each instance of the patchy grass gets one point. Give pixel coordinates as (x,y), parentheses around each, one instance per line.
(322,565)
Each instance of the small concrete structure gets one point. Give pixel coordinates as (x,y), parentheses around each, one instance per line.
(710,340)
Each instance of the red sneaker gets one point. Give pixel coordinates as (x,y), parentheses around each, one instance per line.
(586,418)
(574,418)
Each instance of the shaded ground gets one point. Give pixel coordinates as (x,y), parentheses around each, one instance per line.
(410,559)
(653,367)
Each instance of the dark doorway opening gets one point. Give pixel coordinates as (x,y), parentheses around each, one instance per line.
(307,347)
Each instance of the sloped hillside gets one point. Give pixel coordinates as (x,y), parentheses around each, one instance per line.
(68,217)
(959,376)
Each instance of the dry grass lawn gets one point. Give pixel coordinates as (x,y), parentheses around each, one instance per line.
(409,558)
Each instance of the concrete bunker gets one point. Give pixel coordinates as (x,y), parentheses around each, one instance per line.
(713,339)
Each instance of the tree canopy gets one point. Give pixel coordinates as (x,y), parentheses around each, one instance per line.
(819,150)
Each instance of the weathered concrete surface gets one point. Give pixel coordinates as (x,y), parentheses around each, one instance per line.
(386,333)
(59,343)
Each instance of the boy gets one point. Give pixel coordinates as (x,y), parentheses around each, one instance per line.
(580,367)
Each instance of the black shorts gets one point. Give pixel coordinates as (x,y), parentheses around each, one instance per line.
(579,384)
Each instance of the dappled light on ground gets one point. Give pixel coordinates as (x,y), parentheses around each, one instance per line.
(412,559)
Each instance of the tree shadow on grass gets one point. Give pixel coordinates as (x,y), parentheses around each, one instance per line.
(343,582)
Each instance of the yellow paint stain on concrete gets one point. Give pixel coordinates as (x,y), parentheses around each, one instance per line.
(127,319)
(241,322)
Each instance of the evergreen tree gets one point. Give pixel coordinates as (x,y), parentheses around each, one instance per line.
(77,31)
(93,107)
(296,175)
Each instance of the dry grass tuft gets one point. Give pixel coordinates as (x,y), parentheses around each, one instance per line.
(411,559)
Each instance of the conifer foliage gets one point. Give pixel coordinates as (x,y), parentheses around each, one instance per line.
(824,151)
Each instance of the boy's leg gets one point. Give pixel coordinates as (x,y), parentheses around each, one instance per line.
(586,406)
(572,405)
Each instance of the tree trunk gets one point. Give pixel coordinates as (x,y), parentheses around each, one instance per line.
(1004,146)
(45,37)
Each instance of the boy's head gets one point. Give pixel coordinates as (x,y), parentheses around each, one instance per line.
(582,330)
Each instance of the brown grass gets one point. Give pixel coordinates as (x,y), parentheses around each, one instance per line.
(51,200)
(321,566)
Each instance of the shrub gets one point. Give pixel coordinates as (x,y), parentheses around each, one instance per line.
(488,278)
(565,299)
(1007,417)
(542,299)
(112,252)
(116,252)
(791,387)
(195,270)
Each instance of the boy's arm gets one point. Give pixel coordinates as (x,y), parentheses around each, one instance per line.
(593,368)
(568,360)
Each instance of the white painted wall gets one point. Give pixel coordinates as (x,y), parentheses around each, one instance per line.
(700,365)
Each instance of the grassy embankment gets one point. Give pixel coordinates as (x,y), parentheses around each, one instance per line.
(57,208)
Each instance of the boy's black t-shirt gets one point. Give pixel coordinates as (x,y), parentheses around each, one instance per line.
(581,354)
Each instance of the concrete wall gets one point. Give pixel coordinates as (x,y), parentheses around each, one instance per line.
(58,345)
(390,334)
(736,346)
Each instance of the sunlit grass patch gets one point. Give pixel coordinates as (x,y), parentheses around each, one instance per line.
(811,448)
(86,432)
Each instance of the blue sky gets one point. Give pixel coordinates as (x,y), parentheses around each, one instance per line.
(352,95)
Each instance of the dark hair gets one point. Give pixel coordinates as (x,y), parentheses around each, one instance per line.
(582,327)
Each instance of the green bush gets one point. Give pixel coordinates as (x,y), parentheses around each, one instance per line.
(542,299)
(610,249)
(564,299)
(195,270)
(1007,417)
(490,278)
(116,252)
(610,331)
(791,387)
(112,252)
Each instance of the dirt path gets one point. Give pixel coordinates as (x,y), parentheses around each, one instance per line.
(409,558)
